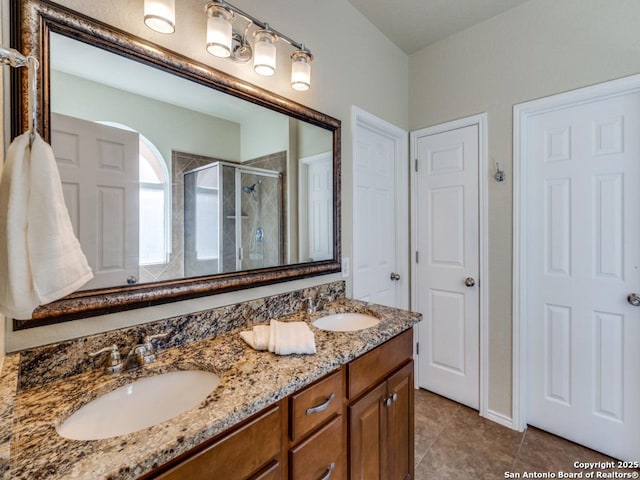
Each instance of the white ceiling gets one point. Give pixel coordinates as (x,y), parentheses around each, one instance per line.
(415,24)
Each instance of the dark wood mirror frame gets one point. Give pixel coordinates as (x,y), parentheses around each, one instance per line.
(31,23)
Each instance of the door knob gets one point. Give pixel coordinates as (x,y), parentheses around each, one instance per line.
(132,279)
(469,282)
(634,299)
(395,276)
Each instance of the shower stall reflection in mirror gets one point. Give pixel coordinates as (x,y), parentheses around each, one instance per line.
(232,219)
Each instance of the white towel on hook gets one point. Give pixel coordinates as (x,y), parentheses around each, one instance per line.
(40,256)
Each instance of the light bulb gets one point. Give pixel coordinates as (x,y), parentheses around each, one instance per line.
(301,70)
(264,52)
(160,15)
(219,30)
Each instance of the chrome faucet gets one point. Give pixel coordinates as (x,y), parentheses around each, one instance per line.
(313,305)
(114,364)
(141,354)
(144,352)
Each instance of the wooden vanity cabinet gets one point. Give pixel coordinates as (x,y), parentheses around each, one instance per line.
(355,423)
(381,419)
(317,434)
(314,405)
(251,452)
(321,456)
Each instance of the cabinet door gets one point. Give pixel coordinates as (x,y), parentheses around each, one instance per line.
(367,430)
(400,423)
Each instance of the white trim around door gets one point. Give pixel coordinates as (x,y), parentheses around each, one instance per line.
(481,121)
(522,113)
(361,118)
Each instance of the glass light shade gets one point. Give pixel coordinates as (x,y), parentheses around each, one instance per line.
(160,15)
(301,70)
(264,52)
(219,30)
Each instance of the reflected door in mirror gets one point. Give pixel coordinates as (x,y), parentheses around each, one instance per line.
(99,172)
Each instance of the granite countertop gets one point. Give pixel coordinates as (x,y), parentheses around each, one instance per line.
(30,447)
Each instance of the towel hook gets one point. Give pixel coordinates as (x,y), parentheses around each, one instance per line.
(13,58)
(499,175)
(33,66)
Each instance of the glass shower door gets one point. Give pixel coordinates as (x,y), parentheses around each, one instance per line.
(202,221)
(259,229)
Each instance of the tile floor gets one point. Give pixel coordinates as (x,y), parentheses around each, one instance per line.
(454,442)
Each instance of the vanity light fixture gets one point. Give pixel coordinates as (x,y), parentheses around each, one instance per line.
(264,47)
(301,69)
(219,30)
(265,39)
(225,42)
(160,15)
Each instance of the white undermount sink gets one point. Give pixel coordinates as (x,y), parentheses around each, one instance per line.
(345,322)
(141,404)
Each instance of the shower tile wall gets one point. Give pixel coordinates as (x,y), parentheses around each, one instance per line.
(277,162)
(260,210)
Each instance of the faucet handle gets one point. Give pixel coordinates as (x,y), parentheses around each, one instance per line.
(146,352)
(148,340)
(310,304)
(114,365)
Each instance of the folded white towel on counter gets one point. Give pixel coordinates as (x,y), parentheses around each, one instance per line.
(281,338)
(261,337)
(40,257)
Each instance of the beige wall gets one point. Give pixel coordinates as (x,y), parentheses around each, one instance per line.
(354,64)
(188,131)
(537,49)
(2,319)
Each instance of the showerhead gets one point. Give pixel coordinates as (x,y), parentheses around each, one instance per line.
(249,189)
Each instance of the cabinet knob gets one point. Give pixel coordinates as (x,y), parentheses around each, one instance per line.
(394,397)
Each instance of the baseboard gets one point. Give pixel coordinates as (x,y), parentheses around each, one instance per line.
(503,420)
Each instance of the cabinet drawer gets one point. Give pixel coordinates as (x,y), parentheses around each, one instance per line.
(373,366)
(272,472)
(315,404)
(238,455)
(320,454)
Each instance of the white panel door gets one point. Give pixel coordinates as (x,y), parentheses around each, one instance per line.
(447,235)
(583,233)
(375,248)
(98,168)
(316,218)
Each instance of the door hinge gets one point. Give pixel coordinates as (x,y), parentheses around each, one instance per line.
(416,164)
(417,256)
(417,348)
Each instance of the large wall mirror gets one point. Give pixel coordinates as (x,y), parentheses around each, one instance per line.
(180,180)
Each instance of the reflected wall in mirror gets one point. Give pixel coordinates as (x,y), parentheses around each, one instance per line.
(180,180)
